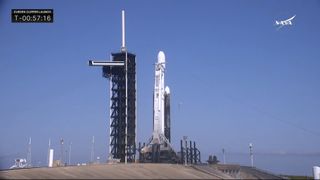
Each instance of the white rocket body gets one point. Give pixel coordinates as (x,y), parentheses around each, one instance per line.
(161,109)
(158,99)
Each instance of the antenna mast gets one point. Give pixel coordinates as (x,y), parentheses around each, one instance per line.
(123,45)
(123,49)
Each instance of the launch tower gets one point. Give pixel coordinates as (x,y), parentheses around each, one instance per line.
(121,71)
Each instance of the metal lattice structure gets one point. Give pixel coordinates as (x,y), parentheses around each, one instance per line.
(118,111)
(121,71)
(189,155)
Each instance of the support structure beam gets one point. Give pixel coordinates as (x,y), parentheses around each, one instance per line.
(101,63)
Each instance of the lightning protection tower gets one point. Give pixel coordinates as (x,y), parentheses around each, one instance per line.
(29,162)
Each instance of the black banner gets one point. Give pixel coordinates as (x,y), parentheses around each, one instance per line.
(32,15)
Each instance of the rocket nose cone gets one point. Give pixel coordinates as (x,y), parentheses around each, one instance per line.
(161,57)
(167,90)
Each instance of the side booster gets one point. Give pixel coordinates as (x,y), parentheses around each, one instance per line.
(167,122)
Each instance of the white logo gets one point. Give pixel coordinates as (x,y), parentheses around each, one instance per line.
(285,22)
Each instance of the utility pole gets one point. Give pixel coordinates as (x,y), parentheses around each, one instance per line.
(224,155)
(49,147)
(66,157)
(69,162)
(62,149)
(251,153)
(29,154)
(92,150)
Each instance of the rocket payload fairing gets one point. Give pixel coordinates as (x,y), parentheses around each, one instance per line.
(160,91)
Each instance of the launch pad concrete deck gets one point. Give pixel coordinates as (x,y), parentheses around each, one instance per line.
(120,171)
(110,171)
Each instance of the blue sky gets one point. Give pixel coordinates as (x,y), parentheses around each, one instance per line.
(236,77)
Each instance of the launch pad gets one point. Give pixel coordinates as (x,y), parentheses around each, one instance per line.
(156,153)
(121,71)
